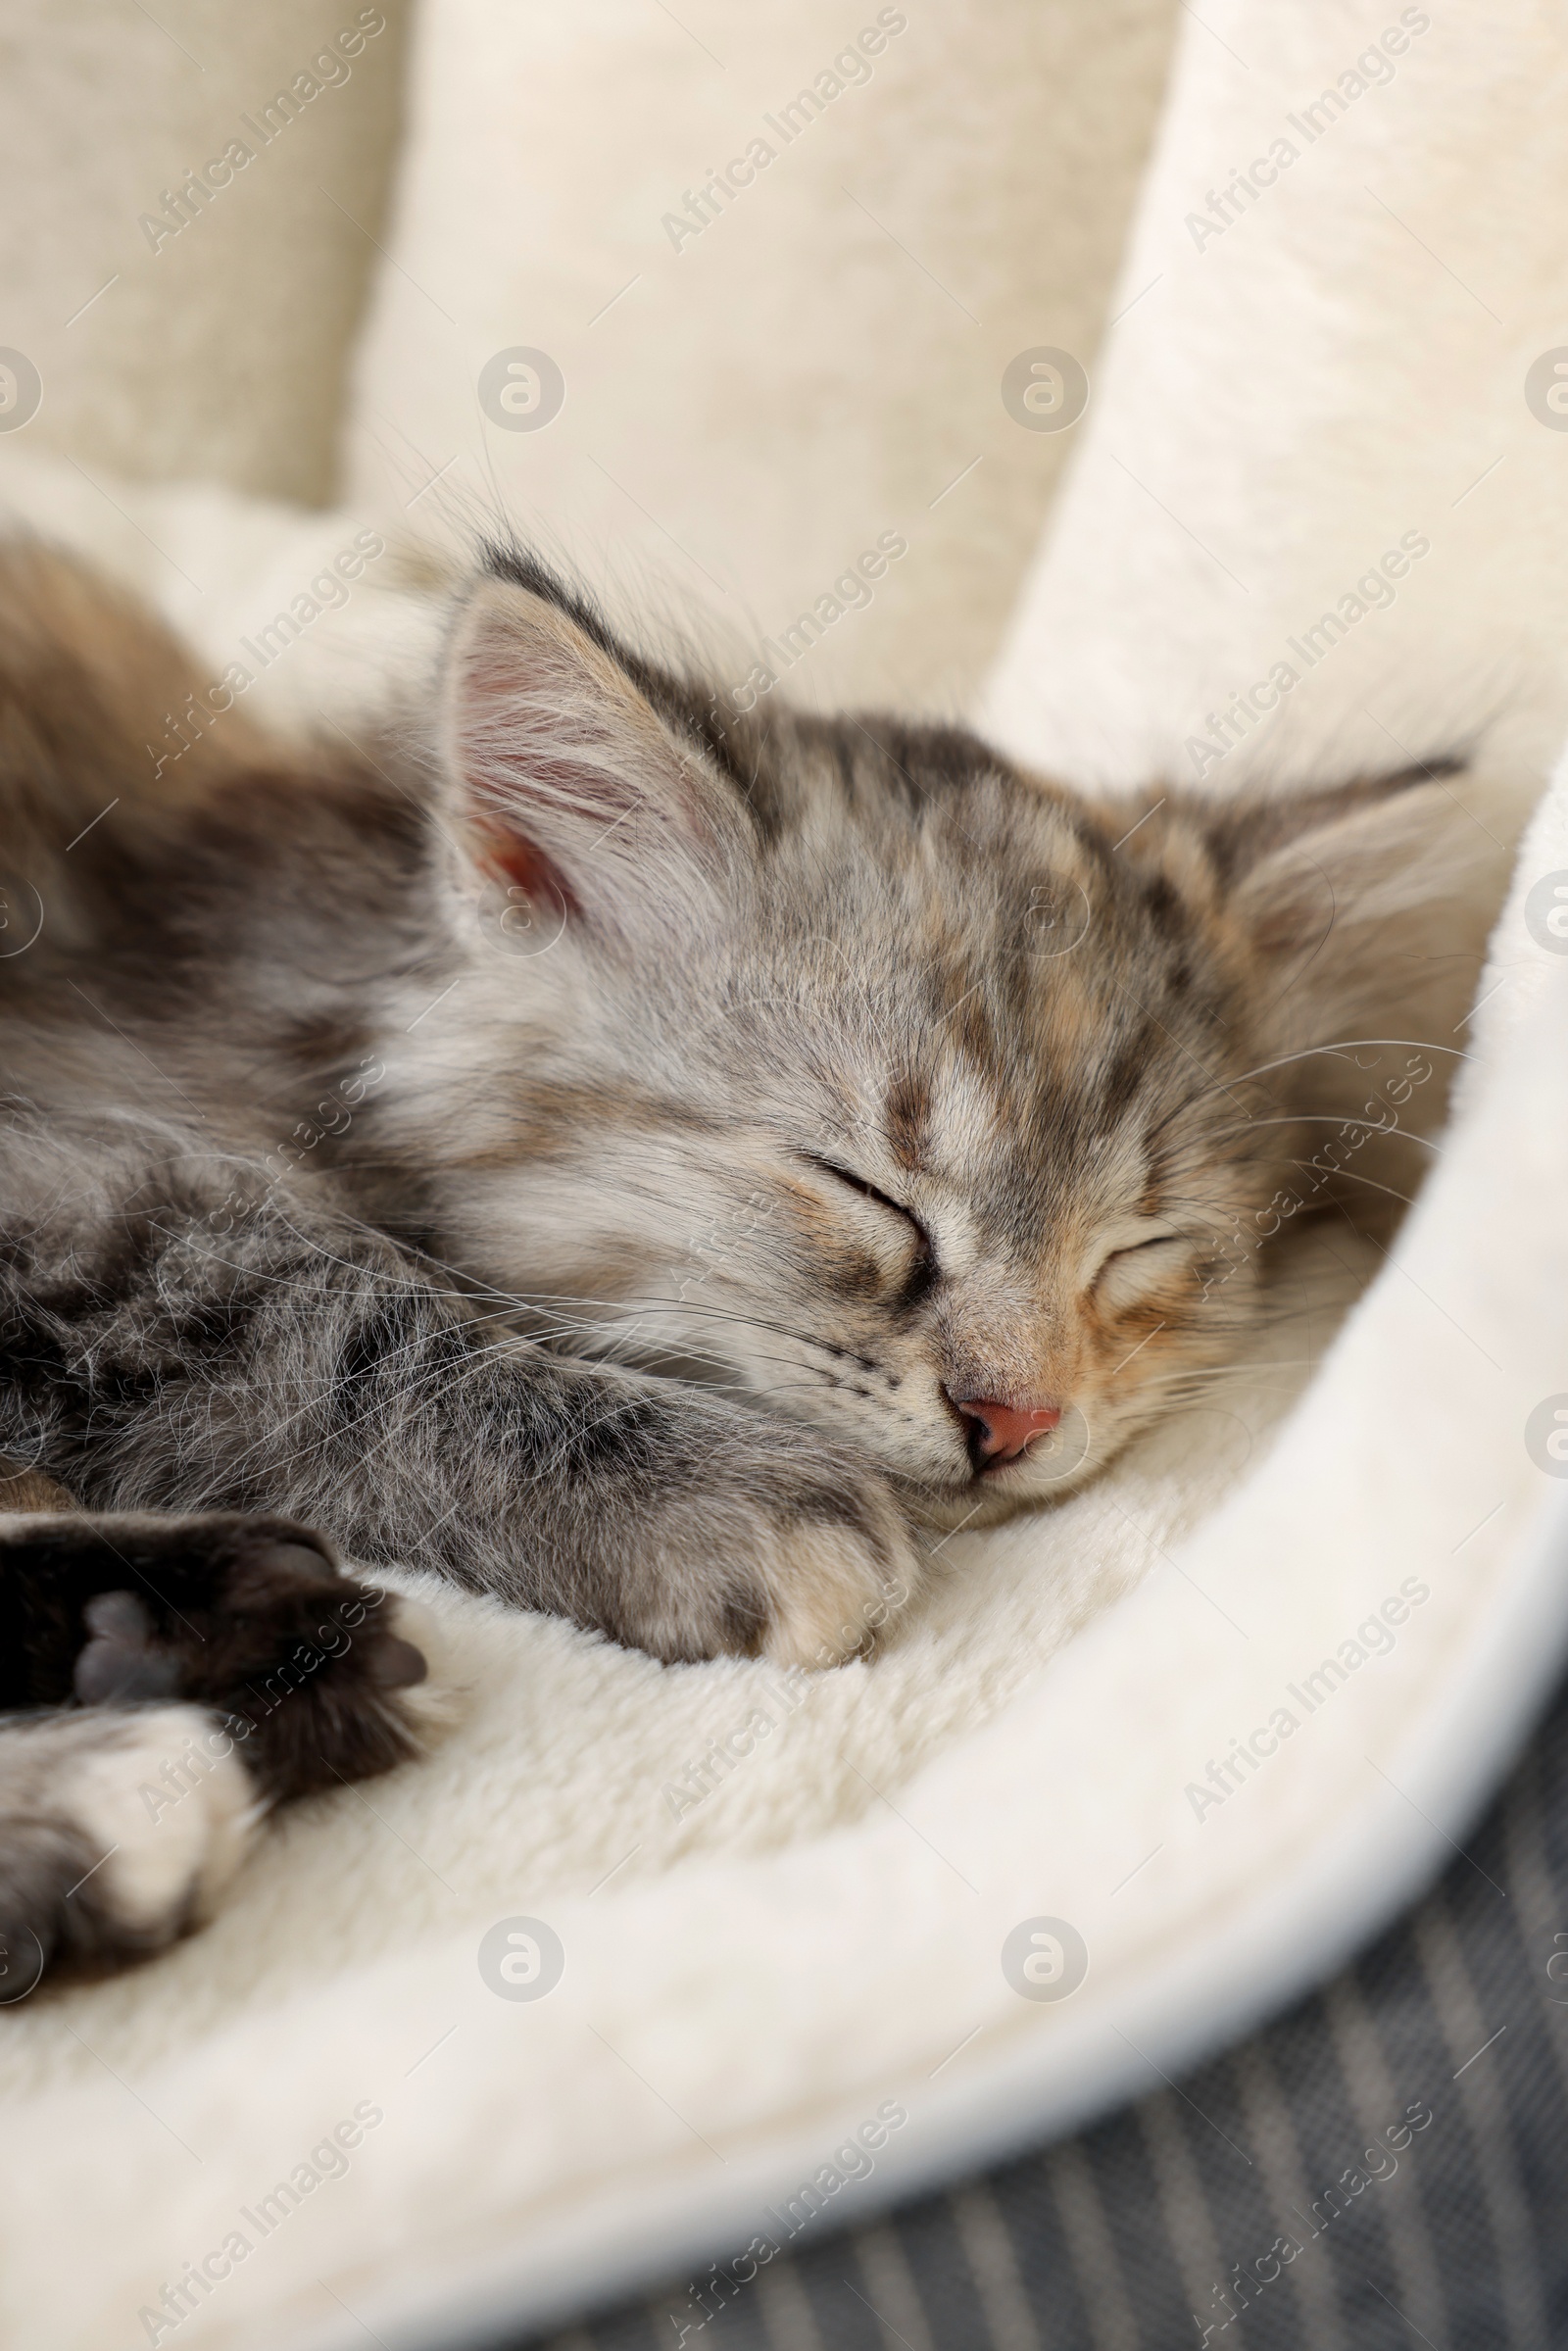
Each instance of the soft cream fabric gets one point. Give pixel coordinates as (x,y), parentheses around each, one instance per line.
(815,367)
(1291,393)
(220,567)
(216,352)
(747,1983)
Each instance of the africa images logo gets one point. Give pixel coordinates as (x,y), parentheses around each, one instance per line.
(521,1959)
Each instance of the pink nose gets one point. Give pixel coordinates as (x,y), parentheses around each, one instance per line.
(1000,1432)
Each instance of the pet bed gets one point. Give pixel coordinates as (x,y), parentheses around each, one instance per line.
(782,1944)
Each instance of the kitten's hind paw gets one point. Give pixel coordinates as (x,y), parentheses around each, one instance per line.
(321,1677)
(122,1664)
(117,1831)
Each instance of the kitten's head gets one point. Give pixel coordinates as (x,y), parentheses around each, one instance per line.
(927,1103)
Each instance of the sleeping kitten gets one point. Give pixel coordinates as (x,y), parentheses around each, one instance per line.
(629,1157)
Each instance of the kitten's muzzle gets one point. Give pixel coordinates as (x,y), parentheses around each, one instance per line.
(997,1433)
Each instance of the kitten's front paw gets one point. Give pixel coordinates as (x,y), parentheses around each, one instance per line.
(801,1557)
(831,1584)
(117,1831)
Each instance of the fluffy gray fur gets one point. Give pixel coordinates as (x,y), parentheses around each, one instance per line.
(595,1144)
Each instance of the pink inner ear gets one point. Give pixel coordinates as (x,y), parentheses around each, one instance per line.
(508,855)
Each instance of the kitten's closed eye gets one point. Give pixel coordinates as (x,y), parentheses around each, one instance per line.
(1131,1269)
(925,1263)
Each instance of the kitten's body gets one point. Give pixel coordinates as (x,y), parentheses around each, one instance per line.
(624,1156)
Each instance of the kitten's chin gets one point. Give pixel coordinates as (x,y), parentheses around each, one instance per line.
(985,1502)
(1028,1484)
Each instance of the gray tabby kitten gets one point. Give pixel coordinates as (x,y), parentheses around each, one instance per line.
(629,1157)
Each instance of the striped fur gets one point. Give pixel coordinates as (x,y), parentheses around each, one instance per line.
(583,1034)
(592,1144)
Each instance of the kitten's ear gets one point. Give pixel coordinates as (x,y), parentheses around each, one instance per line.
(569,784)
(1366,908)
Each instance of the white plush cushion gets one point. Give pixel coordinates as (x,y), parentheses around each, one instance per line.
(1290,395)
(216,352)
(813,369)
(748,1982)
